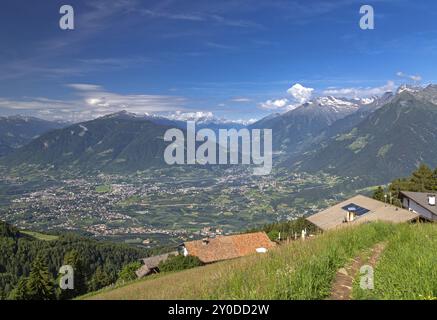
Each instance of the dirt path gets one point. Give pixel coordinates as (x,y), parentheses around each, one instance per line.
(342,286)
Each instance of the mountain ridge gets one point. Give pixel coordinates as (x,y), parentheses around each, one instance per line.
(389,142)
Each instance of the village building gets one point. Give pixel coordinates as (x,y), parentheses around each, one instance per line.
(421,203)
(220,248)
(360,209)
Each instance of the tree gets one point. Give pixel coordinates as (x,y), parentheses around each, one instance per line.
(128,271)
(73,258)
(378,194)
(179,262)
(288,228)
(422,179)
(273,235)
(40,284)
(20,291)
(99,280)
(434,178)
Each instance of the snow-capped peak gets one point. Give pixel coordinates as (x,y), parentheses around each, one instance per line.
(198,116)
(334,102)
(408,88)
(368,100)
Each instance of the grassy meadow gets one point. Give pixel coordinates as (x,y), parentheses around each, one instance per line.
(299,270)
(40,236)
(407,268)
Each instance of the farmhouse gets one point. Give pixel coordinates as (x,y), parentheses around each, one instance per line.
(228,247)
(423,204)
(360,209)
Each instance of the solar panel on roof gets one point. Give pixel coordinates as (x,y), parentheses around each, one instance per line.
(352,207)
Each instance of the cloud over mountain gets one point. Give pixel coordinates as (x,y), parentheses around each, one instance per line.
(360,92)
(299,95)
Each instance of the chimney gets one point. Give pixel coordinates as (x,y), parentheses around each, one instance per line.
(350,216)
(431,200)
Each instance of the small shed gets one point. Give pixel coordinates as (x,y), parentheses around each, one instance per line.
(150,264)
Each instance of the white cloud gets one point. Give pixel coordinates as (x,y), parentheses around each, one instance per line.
(84,87)
(93,101)
(241,100)
(200,17)
(300,93)
(275,104)
(360,92)
(415,78)
(97,97)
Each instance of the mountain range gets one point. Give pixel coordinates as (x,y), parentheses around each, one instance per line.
(389,142)
(294,129)
(377,138)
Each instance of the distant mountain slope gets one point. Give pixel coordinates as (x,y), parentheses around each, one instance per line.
(17,131)
(293,129)
(349,122)
(112,143)
(389,143)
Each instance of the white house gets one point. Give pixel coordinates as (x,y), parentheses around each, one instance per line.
(422,203)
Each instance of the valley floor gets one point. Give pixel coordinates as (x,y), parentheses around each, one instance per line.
(405,269)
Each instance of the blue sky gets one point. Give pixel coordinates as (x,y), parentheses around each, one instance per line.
(235,59)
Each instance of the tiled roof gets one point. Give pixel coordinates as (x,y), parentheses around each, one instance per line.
(228,247)
(334,216)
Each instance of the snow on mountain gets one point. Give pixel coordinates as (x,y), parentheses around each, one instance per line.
(337,104)
(200,117)
(408,88)
(364,101)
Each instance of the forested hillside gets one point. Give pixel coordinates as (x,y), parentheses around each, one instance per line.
(29,267)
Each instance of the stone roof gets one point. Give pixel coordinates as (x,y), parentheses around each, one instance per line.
(334,216)
(151,263)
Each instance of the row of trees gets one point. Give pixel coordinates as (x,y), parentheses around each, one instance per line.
(424,179)
(288,229)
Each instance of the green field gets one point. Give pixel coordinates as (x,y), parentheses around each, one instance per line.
(103,189)
(306,270)
(40,236)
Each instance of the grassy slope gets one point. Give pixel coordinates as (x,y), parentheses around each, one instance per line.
(408,267)
(40,236)
(301,270)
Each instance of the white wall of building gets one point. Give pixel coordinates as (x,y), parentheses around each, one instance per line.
(413,206)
